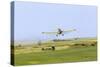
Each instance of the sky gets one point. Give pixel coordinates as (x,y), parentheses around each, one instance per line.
(32,18)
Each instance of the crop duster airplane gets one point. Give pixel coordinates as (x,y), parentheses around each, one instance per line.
(59,32)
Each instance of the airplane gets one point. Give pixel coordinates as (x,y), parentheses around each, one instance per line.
(59,32)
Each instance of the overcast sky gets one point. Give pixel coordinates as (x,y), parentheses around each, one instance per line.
(31,19)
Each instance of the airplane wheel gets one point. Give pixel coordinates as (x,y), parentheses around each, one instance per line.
(62,34)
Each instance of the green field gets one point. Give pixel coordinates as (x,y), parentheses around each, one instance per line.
(66,51)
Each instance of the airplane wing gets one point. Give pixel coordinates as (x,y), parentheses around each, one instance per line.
(69,30)
(49,32)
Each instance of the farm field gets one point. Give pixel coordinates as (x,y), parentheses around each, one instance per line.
(65,51)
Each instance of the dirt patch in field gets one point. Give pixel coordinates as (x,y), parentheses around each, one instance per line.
(62,47)
(30,50)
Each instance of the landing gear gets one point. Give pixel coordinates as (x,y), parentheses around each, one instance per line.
(62,34)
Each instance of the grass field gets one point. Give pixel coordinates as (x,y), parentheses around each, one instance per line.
(65,51)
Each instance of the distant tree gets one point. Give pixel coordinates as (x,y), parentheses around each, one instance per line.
(92,44)
(39,42)
(53,47)
(19,45)
(83,44)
